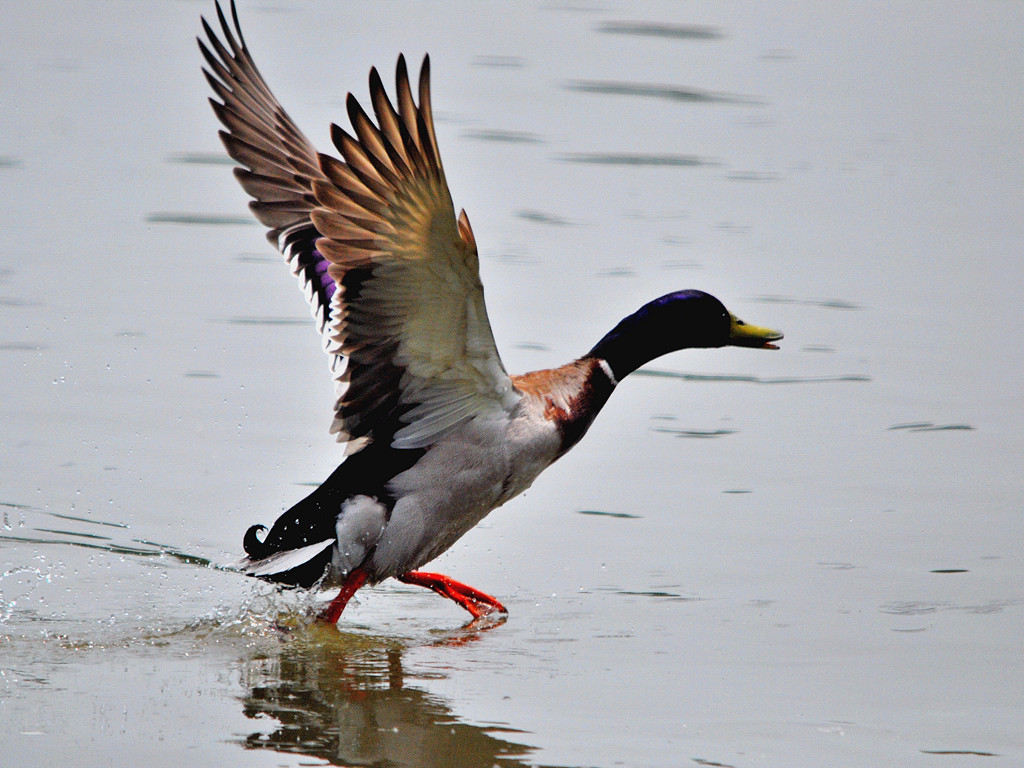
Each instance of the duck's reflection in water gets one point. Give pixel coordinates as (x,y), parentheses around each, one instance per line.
(343,698)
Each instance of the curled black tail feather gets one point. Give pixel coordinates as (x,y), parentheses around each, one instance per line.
(314,519)
(253,547)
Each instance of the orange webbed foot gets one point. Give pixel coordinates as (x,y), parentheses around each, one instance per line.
(473,600)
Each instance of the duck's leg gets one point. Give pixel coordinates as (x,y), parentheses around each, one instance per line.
(353,581)
(473,600)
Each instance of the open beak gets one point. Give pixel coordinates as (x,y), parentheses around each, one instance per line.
(742,334)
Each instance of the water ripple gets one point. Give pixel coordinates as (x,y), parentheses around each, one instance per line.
(754,176)
(626,158)
(506,137)
(655,29)
(20,346)
(539,217)
(824,303)
(670,92)
(201,158)
(199,218)
(918,608)
(653,372)
(41,533)
(927,426)
(502,62)
(266,321)
(701,434)
(607,514)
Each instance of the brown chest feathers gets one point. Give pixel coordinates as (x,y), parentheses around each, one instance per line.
(571,396)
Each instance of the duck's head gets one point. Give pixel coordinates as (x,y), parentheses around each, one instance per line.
(678,320)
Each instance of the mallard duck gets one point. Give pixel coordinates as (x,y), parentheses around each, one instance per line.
(437,433)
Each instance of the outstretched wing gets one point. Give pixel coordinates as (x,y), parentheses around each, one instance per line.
(410,316)
(278,164)
(399,292)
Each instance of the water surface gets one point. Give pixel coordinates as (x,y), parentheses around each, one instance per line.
(823,571)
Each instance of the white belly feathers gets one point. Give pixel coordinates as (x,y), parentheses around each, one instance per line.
(359,527)
(458,481)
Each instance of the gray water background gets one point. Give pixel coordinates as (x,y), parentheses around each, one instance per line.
(802,558)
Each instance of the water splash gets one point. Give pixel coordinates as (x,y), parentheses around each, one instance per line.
(17,585)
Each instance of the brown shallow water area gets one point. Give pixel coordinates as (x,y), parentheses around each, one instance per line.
(795,558)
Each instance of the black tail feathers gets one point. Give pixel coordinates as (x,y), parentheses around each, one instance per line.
(253,547)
